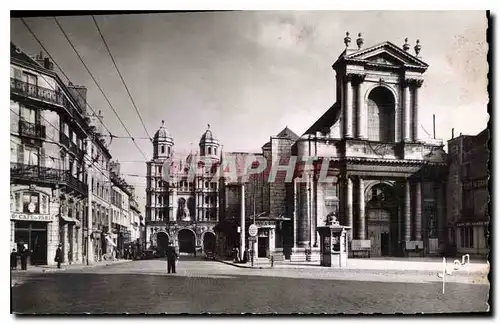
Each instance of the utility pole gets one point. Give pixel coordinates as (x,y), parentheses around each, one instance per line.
(253,242)
(242,232)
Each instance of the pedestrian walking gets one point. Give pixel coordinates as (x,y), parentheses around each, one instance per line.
(13,260)
(59,256)
(245,256)
(172,257)
(236,255)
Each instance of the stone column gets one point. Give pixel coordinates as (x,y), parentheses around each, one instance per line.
(348,108)
(407,211)
(173,217)
(303,230)
(418,211)
(440,217)
(309,210)
(362,116)
(361,224)
(415,115)
(348,204)
(407,112)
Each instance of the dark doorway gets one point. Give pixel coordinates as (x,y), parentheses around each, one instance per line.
(187,241)
(162,240)
(385,244)
(262,247)
(34,234)
(209,242)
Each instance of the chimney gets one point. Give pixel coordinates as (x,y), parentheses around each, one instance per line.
(114,167)
(79,93)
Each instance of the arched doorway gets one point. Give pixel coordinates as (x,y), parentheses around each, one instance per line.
(382,220)
(209,242)
(162,240)
(381,115)
(187,241)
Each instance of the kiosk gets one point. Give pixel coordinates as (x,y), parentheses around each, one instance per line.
(334,247)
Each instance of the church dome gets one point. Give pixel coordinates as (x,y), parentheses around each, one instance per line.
(208,136)
(162,134)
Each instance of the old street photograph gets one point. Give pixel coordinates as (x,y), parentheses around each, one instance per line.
(249,162)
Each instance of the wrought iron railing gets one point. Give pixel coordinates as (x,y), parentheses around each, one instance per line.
(31,129)
(43,174)
(35,91)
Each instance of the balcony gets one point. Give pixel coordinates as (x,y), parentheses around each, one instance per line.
(31,129)
(37,92)
(38,174)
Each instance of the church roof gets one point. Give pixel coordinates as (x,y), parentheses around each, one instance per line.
(329,118)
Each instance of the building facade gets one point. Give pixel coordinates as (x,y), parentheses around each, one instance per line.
(468,194)
(121,220)
(182,202)
(48,147)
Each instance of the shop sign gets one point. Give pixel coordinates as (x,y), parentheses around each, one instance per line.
(472,224)
(476,184)
(265,223)
(32,217)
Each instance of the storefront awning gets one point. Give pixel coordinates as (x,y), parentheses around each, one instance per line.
(68,219)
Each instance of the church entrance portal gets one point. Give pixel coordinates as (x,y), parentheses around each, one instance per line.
(382,220)
(163,240)
(187,241)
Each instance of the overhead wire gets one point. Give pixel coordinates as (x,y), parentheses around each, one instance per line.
(121,77)
(98,86)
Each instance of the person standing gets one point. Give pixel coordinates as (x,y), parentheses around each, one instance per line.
(13,260)
(172,257)
(24,257)
(59,256)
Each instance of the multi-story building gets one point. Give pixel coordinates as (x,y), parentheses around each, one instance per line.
(182,208)
(468,194)
(135,219)
(48,147)
(120,209)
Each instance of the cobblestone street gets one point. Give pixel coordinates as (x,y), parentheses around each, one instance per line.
(207,286)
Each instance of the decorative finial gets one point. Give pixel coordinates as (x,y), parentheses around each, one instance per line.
(347,39)
(208,126)
(359,41)
(162,123)
(417,47)
(406,46)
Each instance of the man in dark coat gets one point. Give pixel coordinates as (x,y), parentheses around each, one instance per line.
(13,259)
(171,258)
(59,256)
(23,251)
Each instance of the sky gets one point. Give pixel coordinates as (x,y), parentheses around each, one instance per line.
(249,74)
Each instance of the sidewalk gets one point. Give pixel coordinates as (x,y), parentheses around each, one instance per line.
(374,264)
(64,267)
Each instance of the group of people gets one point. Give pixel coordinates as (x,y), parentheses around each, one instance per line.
(236,255)
(23,252)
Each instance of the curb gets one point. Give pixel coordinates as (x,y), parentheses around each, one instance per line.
(79,267)
(402,271)
(240,265)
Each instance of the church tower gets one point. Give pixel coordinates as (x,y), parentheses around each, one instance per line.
(157,203)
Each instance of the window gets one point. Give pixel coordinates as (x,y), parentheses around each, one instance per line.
(169,150)
(206,184)
(159,169)
(215,151)
(31,202)
(467,237)
(209,151)
(30,155)
(28,114)
(162,149)
(30,78)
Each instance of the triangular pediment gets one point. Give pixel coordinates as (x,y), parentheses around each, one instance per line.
(386,54)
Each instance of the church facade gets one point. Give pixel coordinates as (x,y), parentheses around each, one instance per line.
(390,187)
(182,205)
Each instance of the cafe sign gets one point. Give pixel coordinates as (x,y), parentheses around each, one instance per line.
(31,217)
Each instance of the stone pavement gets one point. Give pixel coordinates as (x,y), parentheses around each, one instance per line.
(208,286)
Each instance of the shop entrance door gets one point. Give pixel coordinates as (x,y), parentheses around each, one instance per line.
(34,234)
